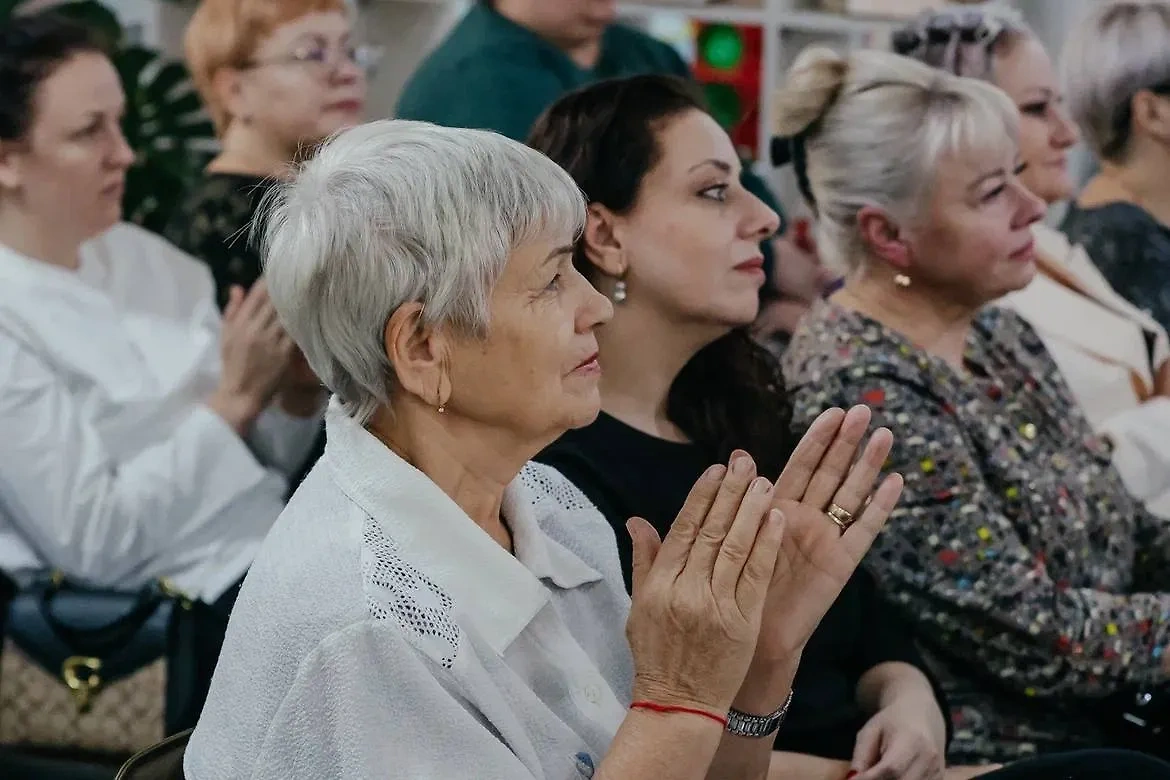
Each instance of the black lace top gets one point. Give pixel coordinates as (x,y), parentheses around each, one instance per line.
(1132,250)
(214,224)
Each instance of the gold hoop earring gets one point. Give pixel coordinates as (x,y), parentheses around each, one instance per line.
(902,280)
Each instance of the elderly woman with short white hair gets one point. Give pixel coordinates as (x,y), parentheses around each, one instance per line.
(432,606)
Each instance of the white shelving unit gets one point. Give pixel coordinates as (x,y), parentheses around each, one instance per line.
(788,27)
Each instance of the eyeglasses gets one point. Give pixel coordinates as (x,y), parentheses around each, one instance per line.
(325,59)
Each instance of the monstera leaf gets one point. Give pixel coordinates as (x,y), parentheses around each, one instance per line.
(168,130)
(164,124)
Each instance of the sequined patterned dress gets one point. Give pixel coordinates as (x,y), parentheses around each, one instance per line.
(1037,583)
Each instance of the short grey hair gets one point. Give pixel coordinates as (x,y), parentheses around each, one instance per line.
(1115,51)
(396,211)
(962,39)
(875,126)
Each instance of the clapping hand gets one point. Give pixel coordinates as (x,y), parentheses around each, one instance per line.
(255,352)
(698,595)
(829,473)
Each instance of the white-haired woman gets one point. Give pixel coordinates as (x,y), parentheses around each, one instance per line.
(1115,357)
(1116,67)
(431,607)
(1034,578)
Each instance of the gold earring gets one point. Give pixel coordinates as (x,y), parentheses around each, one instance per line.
(902,280)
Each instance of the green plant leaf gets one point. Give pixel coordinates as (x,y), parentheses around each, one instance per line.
(170,76)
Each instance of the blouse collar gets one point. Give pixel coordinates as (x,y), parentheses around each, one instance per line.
(495,591)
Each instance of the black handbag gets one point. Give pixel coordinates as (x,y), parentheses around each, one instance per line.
(97,670)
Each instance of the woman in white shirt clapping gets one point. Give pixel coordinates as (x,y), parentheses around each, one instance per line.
(430,605)
(140,435)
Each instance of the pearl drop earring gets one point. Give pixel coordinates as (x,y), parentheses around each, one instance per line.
(620,293)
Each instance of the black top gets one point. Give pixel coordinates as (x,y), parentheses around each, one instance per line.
(214,224)
(1132,250)
(626,472)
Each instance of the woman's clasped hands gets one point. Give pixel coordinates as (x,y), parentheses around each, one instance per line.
(256,353)
(723,607)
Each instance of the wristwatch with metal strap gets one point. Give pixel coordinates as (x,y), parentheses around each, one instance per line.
(742,724)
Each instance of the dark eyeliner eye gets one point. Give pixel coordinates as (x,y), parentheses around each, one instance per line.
(718,192)
(995,193)
(1019,171)
(1034,109)
(555,284)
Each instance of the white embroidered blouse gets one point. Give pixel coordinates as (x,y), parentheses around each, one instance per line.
(381,633)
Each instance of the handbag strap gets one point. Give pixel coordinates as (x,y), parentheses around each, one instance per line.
(110,634)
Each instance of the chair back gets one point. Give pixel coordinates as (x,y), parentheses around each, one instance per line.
(163,761)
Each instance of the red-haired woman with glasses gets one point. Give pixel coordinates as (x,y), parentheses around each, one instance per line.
(277,76)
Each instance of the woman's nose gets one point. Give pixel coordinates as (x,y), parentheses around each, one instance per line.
(1065,133)
(597,309)
(1032,208)
(763,222)
(122,156)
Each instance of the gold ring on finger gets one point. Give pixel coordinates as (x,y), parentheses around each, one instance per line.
(841,516)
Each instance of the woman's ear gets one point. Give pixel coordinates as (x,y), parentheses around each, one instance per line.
(602,241)
(227,87)
(417,353)
(10,159)
(1151,114)
(883,237)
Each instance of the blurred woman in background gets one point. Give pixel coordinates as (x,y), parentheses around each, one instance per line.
(1113,355)
(277,76)
(1031,574)
(1116,66)
(140,436)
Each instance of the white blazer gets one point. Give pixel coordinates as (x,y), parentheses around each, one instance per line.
(111,467)
(1109,352)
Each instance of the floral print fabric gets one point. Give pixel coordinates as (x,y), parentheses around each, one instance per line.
(1036,582)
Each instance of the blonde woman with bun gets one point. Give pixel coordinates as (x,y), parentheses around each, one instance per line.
(1035,580)
(1114,356)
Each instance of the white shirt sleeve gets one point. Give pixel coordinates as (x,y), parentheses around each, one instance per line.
(98,519)
(282,442)
(1139,437)
(365,704)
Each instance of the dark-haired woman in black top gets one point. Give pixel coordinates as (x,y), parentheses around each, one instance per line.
(673,238)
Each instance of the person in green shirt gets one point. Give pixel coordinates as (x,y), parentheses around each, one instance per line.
(506,61)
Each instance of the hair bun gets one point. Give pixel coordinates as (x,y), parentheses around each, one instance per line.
(811,88)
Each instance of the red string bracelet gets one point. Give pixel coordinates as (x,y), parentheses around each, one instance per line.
(668,708)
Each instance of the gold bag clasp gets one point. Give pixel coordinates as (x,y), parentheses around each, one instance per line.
(83,676)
